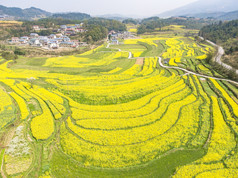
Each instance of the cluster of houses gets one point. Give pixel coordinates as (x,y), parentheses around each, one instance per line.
(62,37)
(71,30)
(3,17)
(114,36)
(53,41)
(64,29)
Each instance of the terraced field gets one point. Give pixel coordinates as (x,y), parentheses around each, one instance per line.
(100,114)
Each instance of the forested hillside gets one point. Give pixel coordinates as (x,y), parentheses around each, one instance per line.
(25,14)
(150,24)
(226,35)
(220,32)
(72,16)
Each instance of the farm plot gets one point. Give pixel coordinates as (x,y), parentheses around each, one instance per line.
(118,117)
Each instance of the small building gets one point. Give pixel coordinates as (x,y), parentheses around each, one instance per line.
(166,61)
(14,40)
(36,28)
(35,42)
(112,32)
(52,36)
(44,42)
(53,45)
(25,38)
(59,39)
(71,28)
(70,32)
(68,44)
(66,39)
(53,41)
(63,27)
(80,30)
(23,41)
(59,35)
(34,35)
(42,37)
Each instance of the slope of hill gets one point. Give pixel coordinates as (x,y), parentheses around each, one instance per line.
(35,13)
(203,6)
(229,16)
(217,15)
(226,35)
(207,15)
(113,17)
(26,14)
(72,16)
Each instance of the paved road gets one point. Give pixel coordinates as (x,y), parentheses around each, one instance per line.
(219,55)
(190,72)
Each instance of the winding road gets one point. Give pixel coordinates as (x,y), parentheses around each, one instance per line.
(219,55)
(190,72)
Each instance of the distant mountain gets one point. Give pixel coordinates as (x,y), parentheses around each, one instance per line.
(72,16)
(207,15)
(113,17)
(25,14)
(217,15)
(203,6)
(229,16)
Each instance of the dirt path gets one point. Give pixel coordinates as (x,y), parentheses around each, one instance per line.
(130,53)
(190,72)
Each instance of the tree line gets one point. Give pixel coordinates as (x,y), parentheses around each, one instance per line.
(223,33)
(155,23)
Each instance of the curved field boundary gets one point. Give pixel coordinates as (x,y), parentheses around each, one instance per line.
(190,72)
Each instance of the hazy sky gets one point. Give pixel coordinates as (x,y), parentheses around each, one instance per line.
(100,7)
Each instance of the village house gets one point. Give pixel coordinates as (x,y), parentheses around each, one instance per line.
(53,41)
(44,40)
(68,44)
(80,30)
(166,61)
(63,27)
(34,35)
(59,35)
(53,45)
(66,39)
(35,42)
(70,32)
(52,36)
(23,40)
(14,40)
(36,28)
